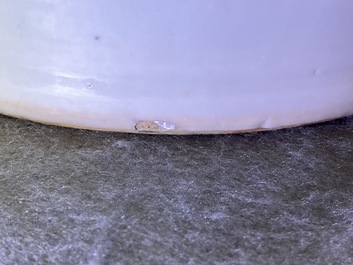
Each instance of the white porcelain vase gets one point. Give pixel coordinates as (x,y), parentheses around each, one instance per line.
(179,67)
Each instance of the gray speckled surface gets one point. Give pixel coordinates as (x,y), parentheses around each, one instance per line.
(81,197)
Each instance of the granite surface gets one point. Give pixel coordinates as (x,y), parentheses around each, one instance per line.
(71,196)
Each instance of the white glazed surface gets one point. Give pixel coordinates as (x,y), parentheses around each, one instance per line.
(197,65)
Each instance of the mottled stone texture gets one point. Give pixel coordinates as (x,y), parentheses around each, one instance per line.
(70,196)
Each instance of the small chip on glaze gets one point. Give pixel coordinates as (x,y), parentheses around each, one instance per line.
(154,126)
